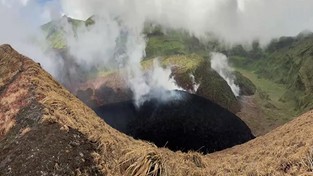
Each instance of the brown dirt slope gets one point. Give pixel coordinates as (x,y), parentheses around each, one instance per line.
(45,130)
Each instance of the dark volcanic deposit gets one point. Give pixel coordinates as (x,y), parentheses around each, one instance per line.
(188,122)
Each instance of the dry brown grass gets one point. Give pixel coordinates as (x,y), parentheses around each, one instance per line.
(308,161)
(138,162)
(12,96)
(6,125)
(284,151)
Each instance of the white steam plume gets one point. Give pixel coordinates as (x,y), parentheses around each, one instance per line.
(153,83)
(195,85)
(20,27)
(219,63)
(94,45)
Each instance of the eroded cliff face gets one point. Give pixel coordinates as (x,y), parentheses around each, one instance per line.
(46,130)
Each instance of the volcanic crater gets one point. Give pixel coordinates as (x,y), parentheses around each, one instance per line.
(183,122)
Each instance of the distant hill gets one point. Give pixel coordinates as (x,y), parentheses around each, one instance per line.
(57,29)
(282,75)
(291,63)
(287,61)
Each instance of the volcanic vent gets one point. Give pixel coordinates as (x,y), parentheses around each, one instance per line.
(187,122)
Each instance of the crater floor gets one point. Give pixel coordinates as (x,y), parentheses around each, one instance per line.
(185,122)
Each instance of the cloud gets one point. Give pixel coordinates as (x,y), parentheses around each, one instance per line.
(24,2)
(234,21)
(219,63)
(20,27)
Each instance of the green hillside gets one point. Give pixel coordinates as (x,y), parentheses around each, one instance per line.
(283,71)
(56,30)
(164,42)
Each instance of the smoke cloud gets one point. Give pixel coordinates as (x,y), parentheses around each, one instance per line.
(195,85)
(20,27)
(234,21)
(219,63)
(154,83)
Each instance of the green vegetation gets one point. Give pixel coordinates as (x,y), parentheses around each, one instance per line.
(215,88)
(184,63)
(268,97)
(159,45)
(247,87)
(283,75)
(55,31)
(165,42)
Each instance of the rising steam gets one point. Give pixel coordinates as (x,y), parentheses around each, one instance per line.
(22,32)
(219,63)
(153,83)
(195,85)
(100,45)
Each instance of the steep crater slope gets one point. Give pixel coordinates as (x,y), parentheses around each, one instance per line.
(29,145)
(185,122)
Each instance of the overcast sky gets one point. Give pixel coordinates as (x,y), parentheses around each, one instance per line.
(232,20)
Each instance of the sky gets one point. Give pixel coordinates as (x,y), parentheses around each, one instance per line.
(43,1)
(36,12)
(233,20)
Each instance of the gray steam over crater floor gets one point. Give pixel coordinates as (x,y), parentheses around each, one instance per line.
(187,123)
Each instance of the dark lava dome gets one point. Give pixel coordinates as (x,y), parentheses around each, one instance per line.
(186,123)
